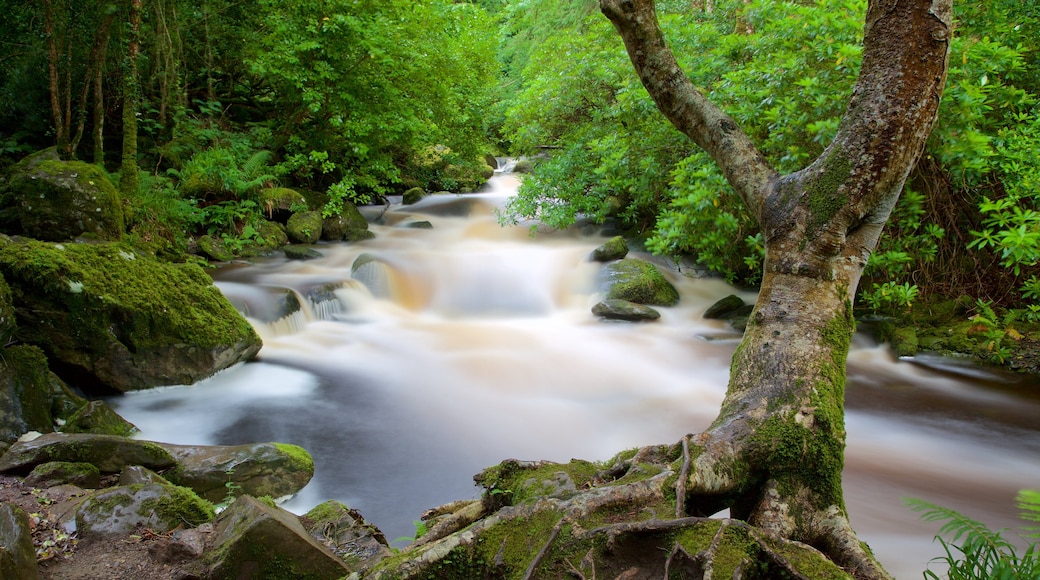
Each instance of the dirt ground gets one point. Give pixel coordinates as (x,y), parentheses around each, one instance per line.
(62,556)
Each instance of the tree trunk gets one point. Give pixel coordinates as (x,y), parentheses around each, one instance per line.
(61,127)
(775,453)
(128,178)
(95,72)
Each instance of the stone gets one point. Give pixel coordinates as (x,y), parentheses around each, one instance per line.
(724,308)
(255,540)
(413,195)
(257,469)
(278,203)
(214,249)
(98,417)
(32,398)
(523,166)
(136,474)
(58,200)
(117,320)
(375,274)
(638,281)
(122,510)
(271,235)
(295,252)
(8,322)
(304,227)
(109,453)
(613,249)
(345,532)
(55,473)
(17,554)
(625,310)
(419,225)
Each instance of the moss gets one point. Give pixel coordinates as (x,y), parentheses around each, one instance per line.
(299,458)
(640,282)
(98,289)
(179,506)
(823,200)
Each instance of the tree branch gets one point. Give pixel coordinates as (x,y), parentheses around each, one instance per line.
(685,107)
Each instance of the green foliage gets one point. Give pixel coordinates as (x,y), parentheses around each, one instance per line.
(975,552)
(373,83)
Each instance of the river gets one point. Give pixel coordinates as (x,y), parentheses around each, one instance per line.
(466,343)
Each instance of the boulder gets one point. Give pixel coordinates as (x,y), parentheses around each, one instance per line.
(279,203)
(638,281)
(55,473)
(301,253)
(255,540)
(215,249)
(271,235)
(523,166)
(56,200)
(17,554)
(115,320)
(138,475)
(350,224)
(109,453)
(258,469)
(418,225)
(613,249)
(625,310)
(345,532)
(413,195)
(32,398)
(117,511)
(304,227)
(98,417)
(724,308)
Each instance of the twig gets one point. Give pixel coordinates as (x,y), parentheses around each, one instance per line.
(545,550)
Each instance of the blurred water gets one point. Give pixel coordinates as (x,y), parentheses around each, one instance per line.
(479,345)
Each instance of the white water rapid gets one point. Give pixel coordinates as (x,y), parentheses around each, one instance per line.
(467,343)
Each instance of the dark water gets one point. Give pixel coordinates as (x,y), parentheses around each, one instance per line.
(470,343)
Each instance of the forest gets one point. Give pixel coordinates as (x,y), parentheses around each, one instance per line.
(205,112)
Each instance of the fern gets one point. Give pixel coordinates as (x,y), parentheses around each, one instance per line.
(1029,501)
(973,551)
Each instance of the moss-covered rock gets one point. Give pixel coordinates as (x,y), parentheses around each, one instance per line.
(57,200)
(624,310)
(254,540)
(98,417)
(294,252)
(413,195)
(122,510)
(272,235)
(613,249)
(54,473)
(116,320)
(345,532)
(304,227)
(32,398)
(215,249)
(348,225)
(638,281)
(278,203)
(258,469)
(17,554)
(108,453)
(523,166)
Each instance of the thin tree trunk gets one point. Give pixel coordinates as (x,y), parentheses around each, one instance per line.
(775,453)
(128,178)
(95,69)
(53,77)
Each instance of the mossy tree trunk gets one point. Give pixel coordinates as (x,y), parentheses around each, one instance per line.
(775,453)
(128,178)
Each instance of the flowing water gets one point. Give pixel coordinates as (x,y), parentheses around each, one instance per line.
(450,348)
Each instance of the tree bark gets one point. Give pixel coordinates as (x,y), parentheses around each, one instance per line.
(775,453)
(61,127)
(128,178)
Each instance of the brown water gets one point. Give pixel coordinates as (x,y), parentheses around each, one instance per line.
(469,343)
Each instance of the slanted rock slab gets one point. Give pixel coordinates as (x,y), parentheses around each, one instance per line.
(625,310)
(254,540)
(345,532)
(258,469)
(613,249)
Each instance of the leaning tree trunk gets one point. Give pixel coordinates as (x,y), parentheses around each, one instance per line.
(775,453)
